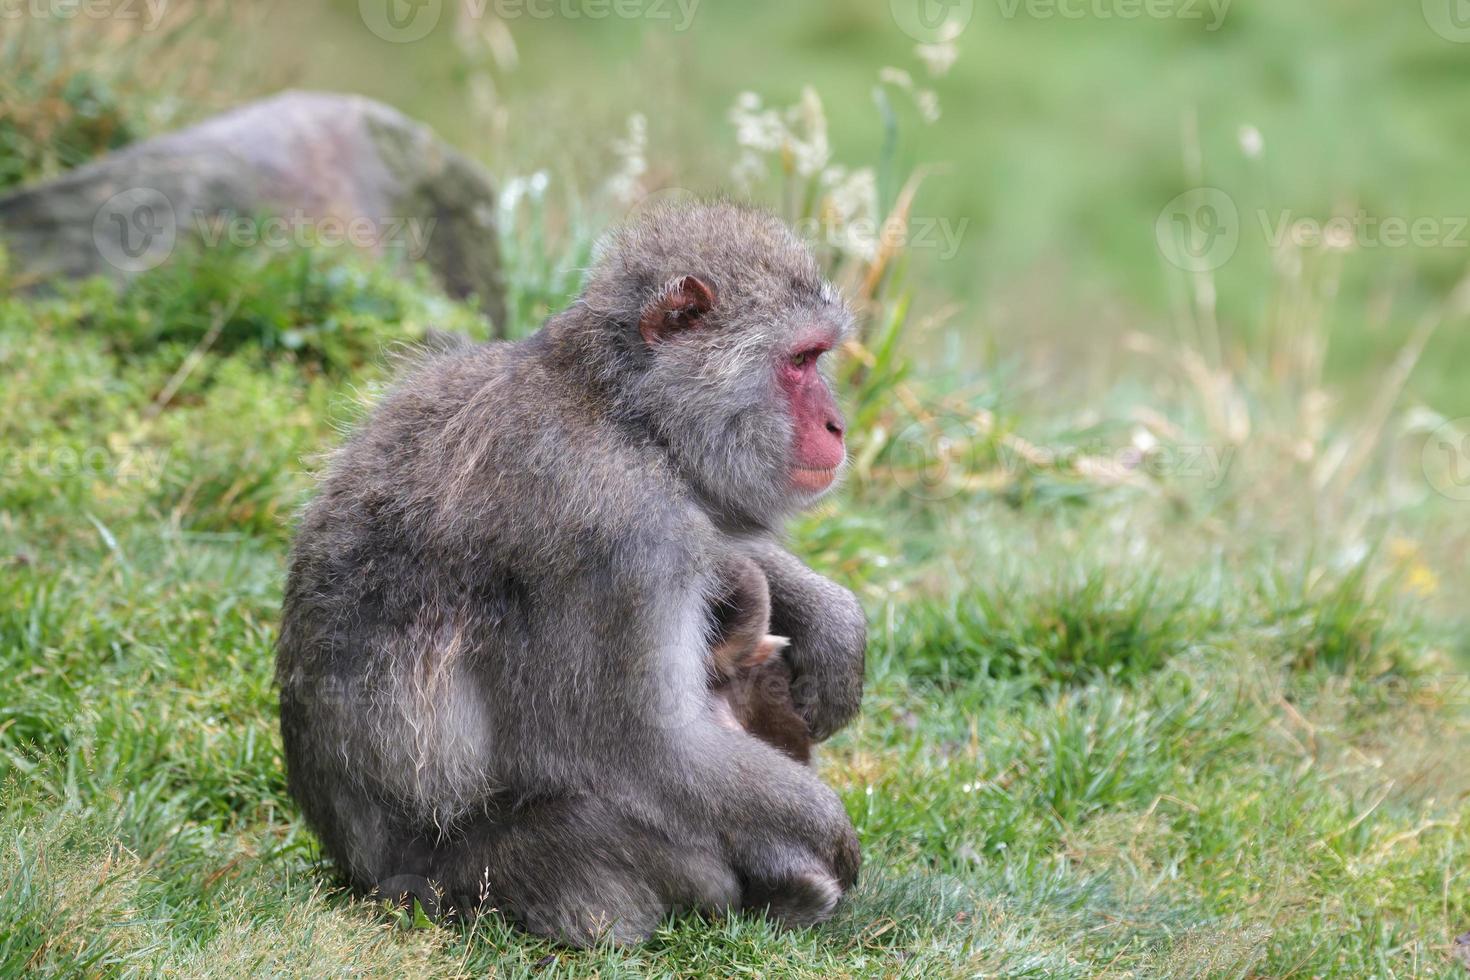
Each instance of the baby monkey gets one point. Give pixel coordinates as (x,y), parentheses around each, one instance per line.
(749,678)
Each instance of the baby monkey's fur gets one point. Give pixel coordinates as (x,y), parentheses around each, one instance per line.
(748,676)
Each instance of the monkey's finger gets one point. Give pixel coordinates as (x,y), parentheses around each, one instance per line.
(767,649)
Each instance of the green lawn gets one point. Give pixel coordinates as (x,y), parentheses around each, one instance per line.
(1109,728)
(1164,573)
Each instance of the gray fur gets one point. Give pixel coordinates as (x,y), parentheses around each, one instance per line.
(493,660)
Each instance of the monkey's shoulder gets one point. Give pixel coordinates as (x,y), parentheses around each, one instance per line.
(525,423)
(489,444)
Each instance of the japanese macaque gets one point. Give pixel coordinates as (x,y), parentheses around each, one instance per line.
(494,659)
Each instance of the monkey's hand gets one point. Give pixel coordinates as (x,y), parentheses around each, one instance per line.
(829,639)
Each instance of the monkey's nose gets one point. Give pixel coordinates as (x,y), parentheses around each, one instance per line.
(836,427)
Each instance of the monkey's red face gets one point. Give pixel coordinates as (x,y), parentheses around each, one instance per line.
(762,448)
(817,448)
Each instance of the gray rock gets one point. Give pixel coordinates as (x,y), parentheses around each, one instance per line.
(301,167)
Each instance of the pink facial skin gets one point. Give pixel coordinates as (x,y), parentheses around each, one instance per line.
(818,450)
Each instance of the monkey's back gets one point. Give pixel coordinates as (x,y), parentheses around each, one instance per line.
(448,534)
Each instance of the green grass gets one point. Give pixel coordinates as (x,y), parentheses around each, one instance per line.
(1100,737)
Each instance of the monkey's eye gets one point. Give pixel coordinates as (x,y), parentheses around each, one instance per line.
(803,359)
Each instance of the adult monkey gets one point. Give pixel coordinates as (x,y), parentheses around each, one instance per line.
(497,618)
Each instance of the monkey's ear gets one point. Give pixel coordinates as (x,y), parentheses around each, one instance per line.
(678,306)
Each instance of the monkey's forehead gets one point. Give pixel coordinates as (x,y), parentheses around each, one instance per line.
(744,245)
(790,331)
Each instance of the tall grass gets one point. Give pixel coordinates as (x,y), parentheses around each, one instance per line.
(76,85)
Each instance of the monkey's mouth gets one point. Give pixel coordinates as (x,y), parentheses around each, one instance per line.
(810,479)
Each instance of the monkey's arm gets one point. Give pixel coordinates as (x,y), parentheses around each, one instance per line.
(829,638)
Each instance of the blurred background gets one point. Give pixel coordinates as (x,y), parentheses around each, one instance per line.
(1051,135)
(1057,134)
